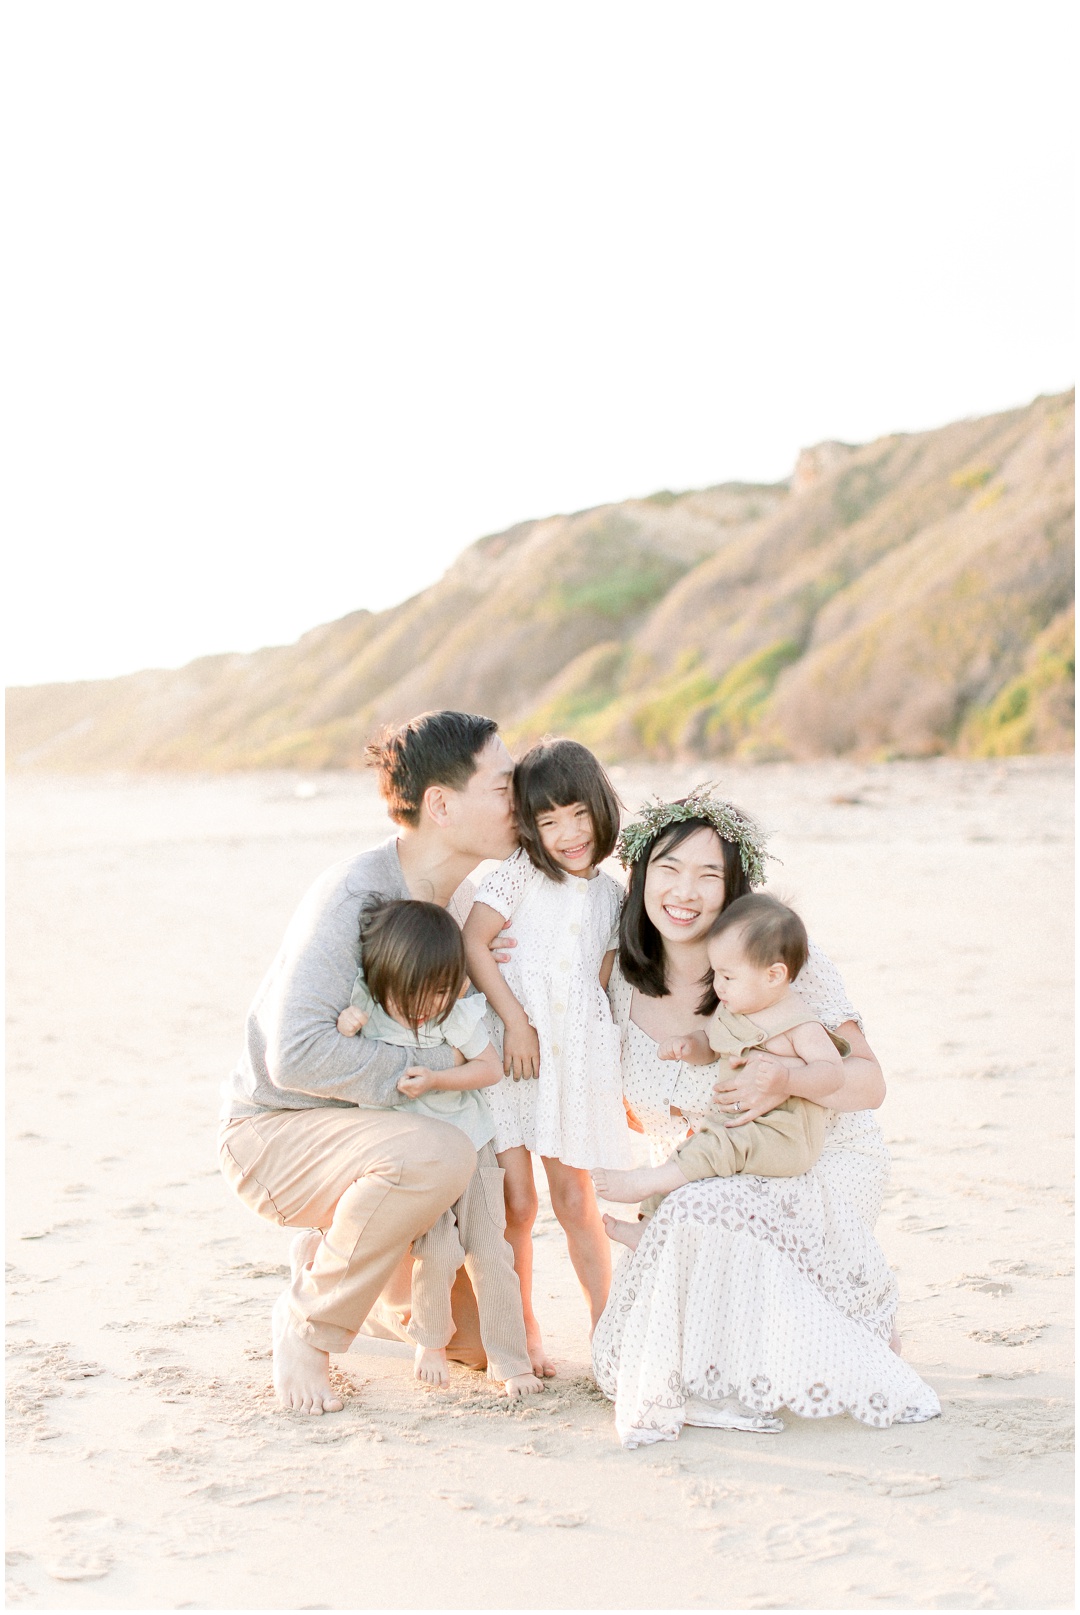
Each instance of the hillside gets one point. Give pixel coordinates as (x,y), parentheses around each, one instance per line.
(906,597)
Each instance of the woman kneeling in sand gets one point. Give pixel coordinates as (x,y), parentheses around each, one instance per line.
(745,1294)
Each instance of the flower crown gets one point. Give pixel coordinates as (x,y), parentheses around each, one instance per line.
(726,819)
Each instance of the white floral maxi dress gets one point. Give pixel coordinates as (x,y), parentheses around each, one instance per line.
(574,1111)
(750,1294)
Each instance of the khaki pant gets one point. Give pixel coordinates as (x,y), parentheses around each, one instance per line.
(472,1234)
(784,1143)
(371,1180)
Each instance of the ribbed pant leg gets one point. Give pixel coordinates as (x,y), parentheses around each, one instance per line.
(437,1255)
(489,1261)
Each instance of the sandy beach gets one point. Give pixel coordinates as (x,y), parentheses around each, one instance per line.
(148,1467)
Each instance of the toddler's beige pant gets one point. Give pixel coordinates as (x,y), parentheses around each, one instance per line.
(371,1180)
(473,1233)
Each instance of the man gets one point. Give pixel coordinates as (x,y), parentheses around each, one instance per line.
(294,1144)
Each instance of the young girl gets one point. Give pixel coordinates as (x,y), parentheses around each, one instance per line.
(561,1095)
(408,992)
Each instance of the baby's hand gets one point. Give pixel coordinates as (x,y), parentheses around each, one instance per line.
(350,1021)
(692,1046)
(417,1081)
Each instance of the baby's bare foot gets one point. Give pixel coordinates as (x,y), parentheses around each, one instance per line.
(430,1365)
(301,1371)
(538,1357)
(522,1385)
(630,1186)
(302,1250)
(624,1233)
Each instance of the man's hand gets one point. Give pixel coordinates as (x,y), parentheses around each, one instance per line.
(350,1021)
(754,1086)
(418,1081)
(501,944)
(521,1050)
(693,1047)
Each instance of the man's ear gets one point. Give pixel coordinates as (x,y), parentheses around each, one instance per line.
(435,805)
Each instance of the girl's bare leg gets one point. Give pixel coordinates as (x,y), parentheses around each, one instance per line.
(574,1204)
(519,1190)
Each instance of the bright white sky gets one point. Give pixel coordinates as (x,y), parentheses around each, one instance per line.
(304,298)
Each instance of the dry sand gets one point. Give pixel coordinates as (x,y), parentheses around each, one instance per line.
(148,1467)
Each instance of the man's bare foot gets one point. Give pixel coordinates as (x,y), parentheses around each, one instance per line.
(522,1385)
(301,1372)
(430,1365)
(542,1366)
(302,1250)
(624,1233)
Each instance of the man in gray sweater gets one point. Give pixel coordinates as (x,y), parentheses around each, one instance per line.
(308,1138)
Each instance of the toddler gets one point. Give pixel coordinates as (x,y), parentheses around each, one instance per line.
(408,992)
(561,1093)
(756,947)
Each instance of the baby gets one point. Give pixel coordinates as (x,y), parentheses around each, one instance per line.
(408,992)
(756,948)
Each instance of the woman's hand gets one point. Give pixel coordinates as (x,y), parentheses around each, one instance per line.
(753,1087)
(521,1050)
(501,944)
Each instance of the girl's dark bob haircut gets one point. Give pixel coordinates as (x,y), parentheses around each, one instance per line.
(641,947)
(413,958)
(557,773)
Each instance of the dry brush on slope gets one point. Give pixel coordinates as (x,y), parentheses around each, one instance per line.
(903,598)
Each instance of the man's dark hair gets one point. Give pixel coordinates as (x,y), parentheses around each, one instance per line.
(557,773)
(413,958)
(641,947)
(437,748)
(771,933)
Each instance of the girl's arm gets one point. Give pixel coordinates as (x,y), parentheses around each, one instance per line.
(482,1072)
(521,1046)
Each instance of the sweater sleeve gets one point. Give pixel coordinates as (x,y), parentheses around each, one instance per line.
(295,1013)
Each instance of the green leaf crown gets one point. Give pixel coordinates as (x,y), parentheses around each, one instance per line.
(729,822)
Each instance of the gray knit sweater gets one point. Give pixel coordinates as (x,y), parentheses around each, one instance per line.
(294,1056)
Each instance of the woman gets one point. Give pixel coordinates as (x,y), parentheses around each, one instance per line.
(745,1294)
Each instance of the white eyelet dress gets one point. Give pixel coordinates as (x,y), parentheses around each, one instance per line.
(750,1294)
(574,1111)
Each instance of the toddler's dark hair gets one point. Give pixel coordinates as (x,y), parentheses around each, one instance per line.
(771,932)
(557,773)
(413,956)
(437,748)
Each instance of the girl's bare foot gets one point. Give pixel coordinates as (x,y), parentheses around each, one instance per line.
(430,1365)
(302,1250)
(522,1385)
(542,1365)
(624,1233)
(301,1372)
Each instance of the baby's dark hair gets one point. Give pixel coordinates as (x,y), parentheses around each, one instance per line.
(771,932)
(557,773)
(413,958)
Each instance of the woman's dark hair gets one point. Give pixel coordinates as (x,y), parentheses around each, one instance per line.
(641,947)
(772,933)
(437,748)
(413,957)
(557,773)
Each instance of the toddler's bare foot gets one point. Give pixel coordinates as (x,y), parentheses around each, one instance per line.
(522,1385)
(430,1365)
(301,1372)
(624,1233)
(542,1365)
(302,1250)
(630,1186)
